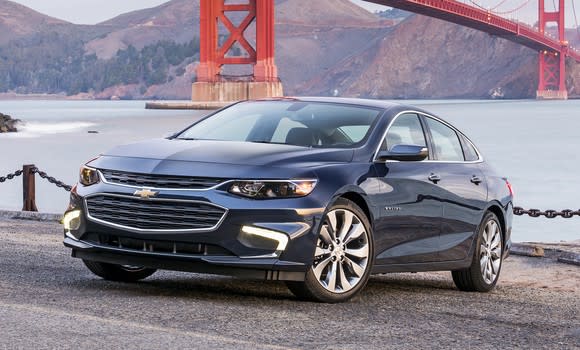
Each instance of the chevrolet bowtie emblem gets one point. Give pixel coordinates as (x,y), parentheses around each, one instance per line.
(145,193)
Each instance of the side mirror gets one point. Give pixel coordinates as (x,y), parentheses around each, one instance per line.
(404,153)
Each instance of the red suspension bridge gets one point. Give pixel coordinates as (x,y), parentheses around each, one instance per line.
(211,85)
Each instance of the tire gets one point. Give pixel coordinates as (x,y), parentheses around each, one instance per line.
(483,274)
(343,261)
(118,273)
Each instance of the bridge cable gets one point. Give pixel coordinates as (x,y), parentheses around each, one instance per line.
(489,8)
(524,4)
(575,18)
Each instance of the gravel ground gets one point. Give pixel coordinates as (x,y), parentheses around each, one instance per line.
(49,300)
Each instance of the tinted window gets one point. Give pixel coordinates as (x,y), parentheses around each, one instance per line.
(354,132)
(284,127)
(445,141)
(469,151)
(308,124)
(405,130)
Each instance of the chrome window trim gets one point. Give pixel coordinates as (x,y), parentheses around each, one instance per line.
(139,230)
(375,160)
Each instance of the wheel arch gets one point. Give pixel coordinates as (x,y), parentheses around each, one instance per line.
(498,211)
(360,201)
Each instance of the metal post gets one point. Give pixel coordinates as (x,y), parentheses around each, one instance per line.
(28,188)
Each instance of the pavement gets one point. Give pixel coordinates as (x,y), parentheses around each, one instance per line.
(49,300)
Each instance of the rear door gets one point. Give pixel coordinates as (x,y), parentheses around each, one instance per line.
(408,228)
(461,187)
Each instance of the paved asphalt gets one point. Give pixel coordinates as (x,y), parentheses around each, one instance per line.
(49,300)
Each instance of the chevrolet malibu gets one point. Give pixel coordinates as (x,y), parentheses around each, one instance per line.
(320,193)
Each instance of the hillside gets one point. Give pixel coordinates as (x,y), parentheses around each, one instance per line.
(425,57)
(176,21)
(323,47)
(17,21)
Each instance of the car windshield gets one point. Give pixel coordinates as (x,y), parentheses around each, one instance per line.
(307,124)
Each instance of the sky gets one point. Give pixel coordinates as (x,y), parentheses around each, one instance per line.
(95,11)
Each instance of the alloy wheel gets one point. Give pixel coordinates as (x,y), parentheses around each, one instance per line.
(490,252)
(342,251)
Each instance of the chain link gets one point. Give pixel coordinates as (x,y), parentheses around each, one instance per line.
(550,214)
(51,179)
(10,176)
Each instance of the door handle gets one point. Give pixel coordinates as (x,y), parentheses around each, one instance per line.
(476,180)
(434,178)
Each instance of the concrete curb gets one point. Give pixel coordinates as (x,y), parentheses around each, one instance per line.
(33,216)
(566,255)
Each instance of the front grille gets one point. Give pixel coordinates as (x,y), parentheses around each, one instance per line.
(165,247)
(154,215)
(159,181)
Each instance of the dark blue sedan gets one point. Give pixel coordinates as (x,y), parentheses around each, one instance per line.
(318,192)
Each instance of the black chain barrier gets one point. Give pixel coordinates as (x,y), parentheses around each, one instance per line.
(51,179)
(518,211)
(550,214)
(10,176)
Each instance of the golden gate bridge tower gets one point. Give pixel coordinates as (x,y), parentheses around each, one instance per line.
(552,64)
(211,84)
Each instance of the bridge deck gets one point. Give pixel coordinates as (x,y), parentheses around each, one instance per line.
(476,18)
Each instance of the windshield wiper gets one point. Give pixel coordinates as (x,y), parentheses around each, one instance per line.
(268,142)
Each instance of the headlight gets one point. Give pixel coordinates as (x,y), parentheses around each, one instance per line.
(72,220)
(273,189)
(88,176)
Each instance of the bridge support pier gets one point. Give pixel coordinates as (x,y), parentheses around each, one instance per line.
(213,87)
(552,64)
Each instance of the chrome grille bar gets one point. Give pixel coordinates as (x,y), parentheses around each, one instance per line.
(153,215)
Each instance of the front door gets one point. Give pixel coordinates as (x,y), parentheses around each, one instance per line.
(409,225)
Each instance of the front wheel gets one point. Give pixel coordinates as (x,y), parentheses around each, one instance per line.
(483,274)
(343,256)
(119,273)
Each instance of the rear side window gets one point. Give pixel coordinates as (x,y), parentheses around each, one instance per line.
(469,151)
(446,142)
(406,130)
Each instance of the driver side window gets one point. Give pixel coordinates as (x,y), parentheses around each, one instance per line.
(405,130)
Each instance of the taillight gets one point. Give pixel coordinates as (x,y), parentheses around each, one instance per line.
(510,188)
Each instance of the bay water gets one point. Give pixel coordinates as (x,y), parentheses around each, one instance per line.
(533,143)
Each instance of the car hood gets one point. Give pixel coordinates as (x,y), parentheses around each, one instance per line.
(218,158)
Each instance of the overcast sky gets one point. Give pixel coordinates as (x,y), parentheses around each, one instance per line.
(95,11)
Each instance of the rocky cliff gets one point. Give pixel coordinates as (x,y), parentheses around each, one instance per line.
(7,124)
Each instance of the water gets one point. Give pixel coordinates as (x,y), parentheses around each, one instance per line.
(533,143)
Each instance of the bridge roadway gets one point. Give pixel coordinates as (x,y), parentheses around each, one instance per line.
(49,300)
(476,18)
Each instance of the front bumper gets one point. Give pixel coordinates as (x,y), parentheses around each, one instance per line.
(224,249)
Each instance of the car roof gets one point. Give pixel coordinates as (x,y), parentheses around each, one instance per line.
(340,100)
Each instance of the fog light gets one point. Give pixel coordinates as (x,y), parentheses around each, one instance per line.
(72,220)
(279,237)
